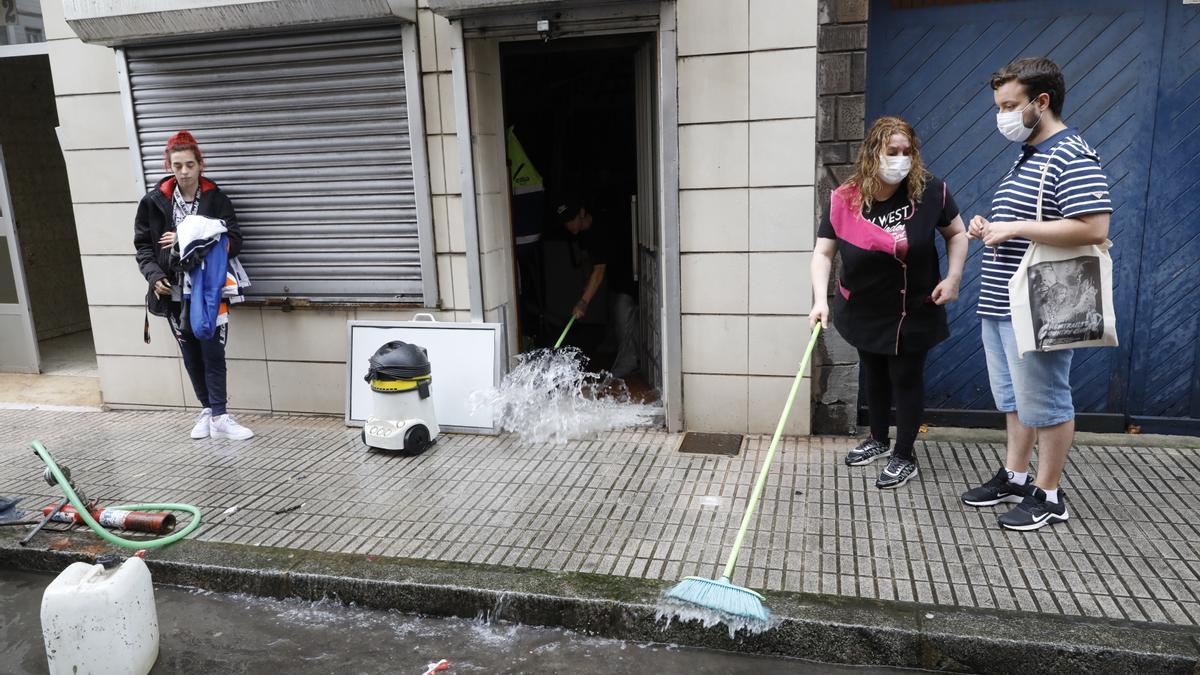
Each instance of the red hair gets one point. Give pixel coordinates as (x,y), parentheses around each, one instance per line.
(181,142)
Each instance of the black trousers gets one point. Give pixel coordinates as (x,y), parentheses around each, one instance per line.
(530,273)
(898,380)
(204,361)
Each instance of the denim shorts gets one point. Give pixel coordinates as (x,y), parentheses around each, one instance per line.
(1037,386)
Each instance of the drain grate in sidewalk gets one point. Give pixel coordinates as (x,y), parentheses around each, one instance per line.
(711,444)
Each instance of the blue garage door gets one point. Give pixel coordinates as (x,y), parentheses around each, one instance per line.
(931,66)
(1165,379)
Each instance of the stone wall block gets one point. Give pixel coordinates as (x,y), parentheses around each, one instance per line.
(850,113)
(842,38)
(851,11)
(833,74)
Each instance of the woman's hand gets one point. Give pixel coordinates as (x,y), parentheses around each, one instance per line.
(161,287)
(946,291)
(977,228)
(167,240)
(820,312)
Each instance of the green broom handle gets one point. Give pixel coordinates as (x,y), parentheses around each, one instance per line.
(564,333)
(766,467)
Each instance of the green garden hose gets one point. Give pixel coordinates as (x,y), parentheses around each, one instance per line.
(104,534)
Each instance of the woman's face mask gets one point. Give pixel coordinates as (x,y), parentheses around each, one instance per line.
(1012,124)
(894,168)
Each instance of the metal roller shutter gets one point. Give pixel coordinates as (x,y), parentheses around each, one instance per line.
(308,135)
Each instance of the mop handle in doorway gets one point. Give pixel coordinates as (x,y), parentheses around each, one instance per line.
(564,333)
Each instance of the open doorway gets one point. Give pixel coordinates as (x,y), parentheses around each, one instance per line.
(581,150)
(45,317)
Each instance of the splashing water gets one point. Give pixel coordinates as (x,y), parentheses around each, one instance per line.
(493,616)
(670,609)
(550,397)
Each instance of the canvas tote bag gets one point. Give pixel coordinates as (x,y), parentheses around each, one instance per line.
(1061,297)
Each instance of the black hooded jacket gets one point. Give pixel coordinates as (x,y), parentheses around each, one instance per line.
(155,217)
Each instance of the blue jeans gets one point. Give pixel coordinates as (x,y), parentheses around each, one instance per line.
(1036,386)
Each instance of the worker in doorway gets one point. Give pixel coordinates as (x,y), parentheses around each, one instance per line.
(597,245)
(528,210)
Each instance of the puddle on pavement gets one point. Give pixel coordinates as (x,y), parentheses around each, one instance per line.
(551,397)
(203,633)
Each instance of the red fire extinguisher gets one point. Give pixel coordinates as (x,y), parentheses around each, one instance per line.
(135,521)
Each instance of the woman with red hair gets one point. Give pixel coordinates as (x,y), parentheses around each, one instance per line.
(183,193)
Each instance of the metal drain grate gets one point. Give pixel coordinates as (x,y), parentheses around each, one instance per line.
(711,444)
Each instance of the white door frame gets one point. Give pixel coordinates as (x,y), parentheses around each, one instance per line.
(22,355)
(667,128)
(668,215)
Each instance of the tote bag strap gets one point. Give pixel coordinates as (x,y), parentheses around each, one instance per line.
(1042,184)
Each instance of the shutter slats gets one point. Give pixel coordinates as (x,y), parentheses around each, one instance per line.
(326,157)
(383,133)
(294,140)
(308,135)
(366,223)
(331,177)
(334,202)
(151,84)
(239,103)
(247,62)
(277,40)
(326,82)
(367,246)
(210,115)
(302,259)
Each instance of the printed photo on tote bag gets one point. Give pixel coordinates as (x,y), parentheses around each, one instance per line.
(1066,302)
(1061,296)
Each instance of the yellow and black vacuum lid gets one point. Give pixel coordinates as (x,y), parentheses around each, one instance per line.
(398,360)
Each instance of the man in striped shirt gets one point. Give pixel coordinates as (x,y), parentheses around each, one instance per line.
(1034,390)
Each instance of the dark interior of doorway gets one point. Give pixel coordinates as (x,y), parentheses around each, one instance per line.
(572,107)
(45,223)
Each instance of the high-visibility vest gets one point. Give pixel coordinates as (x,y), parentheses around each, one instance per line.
(525,177)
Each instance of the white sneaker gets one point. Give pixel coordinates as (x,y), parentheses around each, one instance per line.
(224,426)
(201,430)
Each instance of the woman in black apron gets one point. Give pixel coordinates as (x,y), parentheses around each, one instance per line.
(890,295)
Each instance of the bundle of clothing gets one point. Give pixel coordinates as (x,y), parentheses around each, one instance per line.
(211,279)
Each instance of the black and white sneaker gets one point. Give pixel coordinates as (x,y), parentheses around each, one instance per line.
(1035,512)
(898,472)
(997,490)
(868,451)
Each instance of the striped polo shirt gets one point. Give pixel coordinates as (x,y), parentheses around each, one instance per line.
(1075,186)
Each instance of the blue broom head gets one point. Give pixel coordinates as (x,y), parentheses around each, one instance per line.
(713,601)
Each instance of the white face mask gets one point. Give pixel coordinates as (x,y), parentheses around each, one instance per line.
(893,169)
(1012,124)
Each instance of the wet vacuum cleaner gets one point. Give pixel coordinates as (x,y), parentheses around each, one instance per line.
(402,417)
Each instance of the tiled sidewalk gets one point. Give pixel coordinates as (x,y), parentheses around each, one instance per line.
(628,504)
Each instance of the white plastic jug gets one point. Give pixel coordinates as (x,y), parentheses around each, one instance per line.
(99,621)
